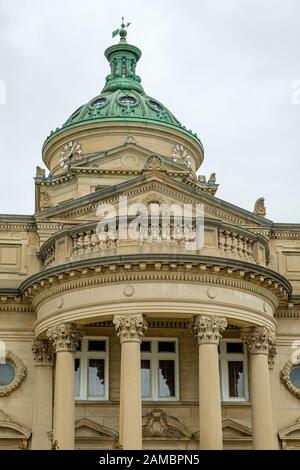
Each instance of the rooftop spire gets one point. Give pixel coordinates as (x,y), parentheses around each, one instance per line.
(123,58)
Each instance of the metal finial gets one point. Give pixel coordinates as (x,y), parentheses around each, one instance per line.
(122,32)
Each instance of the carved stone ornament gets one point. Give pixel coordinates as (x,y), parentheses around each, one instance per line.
(154,163)
(20,374)
(45,200)
(65,336)
(42,352)
(208,329)
(158,424)
(285,378)
(259,340)
(130,327)
(260,208)
(181,155)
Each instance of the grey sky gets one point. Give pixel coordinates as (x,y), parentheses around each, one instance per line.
(225,68)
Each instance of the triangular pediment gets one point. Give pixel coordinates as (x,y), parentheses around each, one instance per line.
(233,429)
(87,429)
(11,430)
(153,183)
(290,432)
(129,157)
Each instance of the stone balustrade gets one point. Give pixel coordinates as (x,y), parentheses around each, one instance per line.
(220,240)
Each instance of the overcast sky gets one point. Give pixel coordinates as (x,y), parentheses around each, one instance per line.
(225,68)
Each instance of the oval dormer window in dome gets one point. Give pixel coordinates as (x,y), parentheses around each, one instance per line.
(155,105)
(99,102)
(128,100)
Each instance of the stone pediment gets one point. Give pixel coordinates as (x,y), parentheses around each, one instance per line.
(151,185)
(233,431)
(127,158)
(85,429)
(290,435)
(12,431)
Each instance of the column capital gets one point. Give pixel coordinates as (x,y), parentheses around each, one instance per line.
(130,327)
(43,352)
(259,340)
(208,329)
(65,336)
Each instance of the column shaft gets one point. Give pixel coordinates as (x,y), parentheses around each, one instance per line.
(209,398)
(130,329)
(262,420)
(208,330)
(260,342)
(65,338)
(130,397)
(64,404)
(42,396)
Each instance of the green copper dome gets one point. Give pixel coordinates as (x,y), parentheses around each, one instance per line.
(123,97)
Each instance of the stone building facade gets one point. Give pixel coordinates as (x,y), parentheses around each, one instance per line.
(150,341)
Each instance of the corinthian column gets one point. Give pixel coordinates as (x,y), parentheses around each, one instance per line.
(65,338)
(42,395)
(260,342)
(208,331)
(130,329)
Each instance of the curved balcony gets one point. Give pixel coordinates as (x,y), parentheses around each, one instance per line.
(219,239)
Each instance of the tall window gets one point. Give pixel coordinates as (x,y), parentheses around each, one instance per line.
(91,369)
(233,371)
(159,369)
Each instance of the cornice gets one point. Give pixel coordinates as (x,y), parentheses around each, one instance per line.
(289,313)
(72,277)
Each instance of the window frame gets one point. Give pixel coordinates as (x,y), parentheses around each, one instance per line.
(84,356)
(154,356)
(224,359)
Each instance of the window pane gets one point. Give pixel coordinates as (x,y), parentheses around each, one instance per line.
(235,347)
(146,378)
(295,376)
(79,346)
(166,346)
(236,379)
(77,377)
(96,386)
(166,379)
(146,346)
(7,374)
(97,346)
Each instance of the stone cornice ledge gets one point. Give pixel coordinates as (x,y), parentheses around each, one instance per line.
(258,276)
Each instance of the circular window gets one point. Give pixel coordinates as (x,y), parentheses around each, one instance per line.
(99,103)
(295,376)
(12,374)
(155,105)
(128,100)
(7,374)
